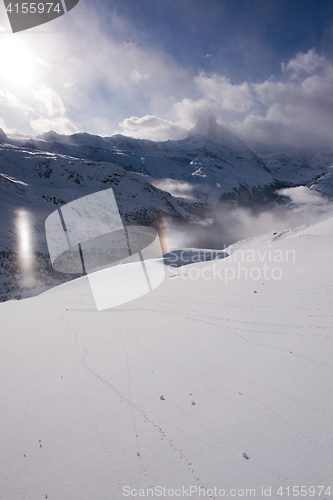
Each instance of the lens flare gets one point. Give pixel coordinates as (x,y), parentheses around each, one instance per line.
(163,233)
(23,224)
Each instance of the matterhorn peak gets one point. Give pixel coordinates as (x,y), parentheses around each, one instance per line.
(205,125)
(208,129)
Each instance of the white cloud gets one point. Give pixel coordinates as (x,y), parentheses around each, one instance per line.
(308,62)
(180,189)
(49,114)
(9,98)
(290,112)
(95,73)
(187,111)
(49,101)
(219,91)
(15,113)
(137,77)
(129,44)
(59,124)
(304,195)
(83,78)
(52,113)
(183,116)
(295,113)
(153,128)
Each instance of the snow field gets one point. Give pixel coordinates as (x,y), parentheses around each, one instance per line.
(171,389)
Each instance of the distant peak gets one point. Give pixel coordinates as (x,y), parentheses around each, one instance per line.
(205,125)
(208,129)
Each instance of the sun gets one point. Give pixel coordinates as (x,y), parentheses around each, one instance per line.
(17,62)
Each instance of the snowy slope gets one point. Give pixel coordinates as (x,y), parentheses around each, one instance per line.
(324,183)
(169,391)
(34,183)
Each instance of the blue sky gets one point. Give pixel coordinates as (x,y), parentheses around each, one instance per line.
(246,38)
(148,68)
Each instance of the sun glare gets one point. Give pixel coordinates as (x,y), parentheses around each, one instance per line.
(17,62)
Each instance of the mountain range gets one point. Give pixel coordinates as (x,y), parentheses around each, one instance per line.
(188,186)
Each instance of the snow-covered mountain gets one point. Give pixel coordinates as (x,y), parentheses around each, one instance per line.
(213,160)
(294,166)
(191,184)
(324,183)
(34,183)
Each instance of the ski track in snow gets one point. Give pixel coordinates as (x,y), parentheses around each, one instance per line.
(239,331)
(132,407)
